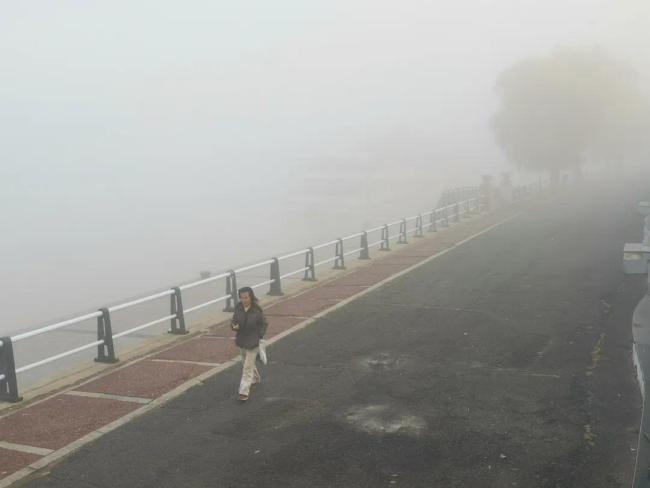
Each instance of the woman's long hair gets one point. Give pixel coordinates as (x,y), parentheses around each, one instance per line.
(251,293)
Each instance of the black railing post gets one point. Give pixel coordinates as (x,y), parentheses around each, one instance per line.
(275,288)
(339,263)
(457,212)
(8,384)
(402,232)
(365,252)
(445,216)
(106,350)
(385,241)
(176,308)
(310,268)
(432,221)
(418,226)
(231,290)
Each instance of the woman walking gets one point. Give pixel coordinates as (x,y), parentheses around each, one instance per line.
(250,324)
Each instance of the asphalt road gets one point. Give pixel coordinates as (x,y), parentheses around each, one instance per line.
(506,362)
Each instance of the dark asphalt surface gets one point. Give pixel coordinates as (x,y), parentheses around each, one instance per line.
(506,362)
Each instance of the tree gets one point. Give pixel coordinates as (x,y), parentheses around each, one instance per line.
(556,110)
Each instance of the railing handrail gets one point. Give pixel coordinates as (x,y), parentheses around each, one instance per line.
(58,325)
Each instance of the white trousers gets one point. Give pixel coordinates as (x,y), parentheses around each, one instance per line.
(249,374)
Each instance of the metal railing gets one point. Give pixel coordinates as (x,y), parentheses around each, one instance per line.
(449,197)
(379,237)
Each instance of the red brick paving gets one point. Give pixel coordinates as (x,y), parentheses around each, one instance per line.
(332,292)
(206,349)
(369,276)
(297,307)
(387,269)
(358,278)
(422,248)
(58,421)
(146,379)
(221,329)
(280,323)
(409,259)
(12,461)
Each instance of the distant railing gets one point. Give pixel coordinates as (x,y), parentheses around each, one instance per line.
(449,197)
(380,237)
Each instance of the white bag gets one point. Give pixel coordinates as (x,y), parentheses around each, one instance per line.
(262,351)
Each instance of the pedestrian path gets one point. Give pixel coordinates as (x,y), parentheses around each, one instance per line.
(36,435)
(495,354)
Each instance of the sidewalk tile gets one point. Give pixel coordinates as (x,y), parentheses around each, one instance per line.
(333,291)
(298,307)
(430,248)
(280,323)
(145,379)
(222,329)
(369,276)
(387,269)
(12,461)
(361,277)
(408,259)
(210,349)
(57,422)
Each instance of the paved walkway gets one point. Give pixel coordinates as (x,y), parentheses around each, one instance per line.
(504,362)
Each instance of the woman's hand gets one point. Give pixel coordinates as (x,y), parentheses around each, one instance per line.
(234,325)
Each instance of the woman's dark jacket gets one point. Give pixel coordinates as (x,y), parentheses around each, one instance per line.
(252,326)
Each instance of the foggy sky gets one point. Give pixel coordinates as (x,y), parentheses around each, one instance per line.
(142,141)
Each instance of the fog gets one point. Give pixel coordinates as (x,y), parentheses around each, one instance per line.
(142,142)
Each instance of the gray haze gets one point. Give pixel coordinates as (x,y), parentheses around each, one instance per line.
(143,141)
